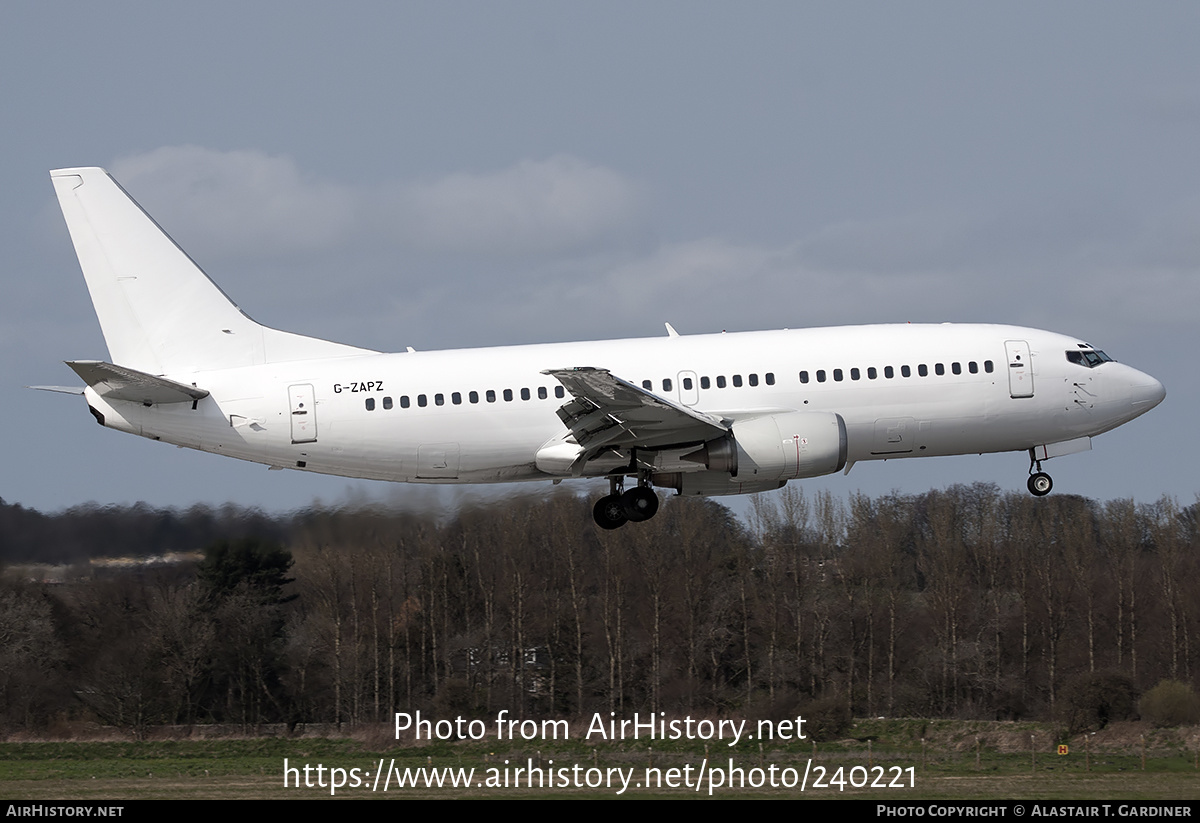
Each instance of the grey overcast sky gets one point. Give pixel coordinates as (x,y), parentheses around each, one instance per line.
(458,174)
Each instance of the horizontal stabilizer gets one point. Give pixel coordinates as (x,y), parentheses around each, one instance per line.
(119,383)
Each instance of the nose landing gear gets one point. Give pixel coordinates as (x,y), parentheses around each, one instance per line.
(1039,482)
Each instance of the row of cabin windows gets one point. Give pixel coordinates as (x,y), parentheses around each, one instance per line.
(456,398)
(905,371)
(543,393)
(736,381)
(706,383)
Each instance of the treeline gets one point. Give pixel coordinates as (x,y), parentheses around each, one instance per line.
(83,533)
(965,602)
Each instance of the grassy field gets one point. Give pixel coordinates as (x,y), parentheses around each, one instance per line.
(894,760)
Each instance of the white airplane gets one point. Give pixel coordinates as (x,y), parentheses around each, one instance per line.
(706,414)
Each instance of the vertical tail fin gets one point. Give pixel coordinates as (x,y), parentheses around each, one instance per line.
(160,313)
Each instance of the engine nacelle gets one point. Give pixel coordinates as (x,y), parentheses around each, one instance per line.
(778,447)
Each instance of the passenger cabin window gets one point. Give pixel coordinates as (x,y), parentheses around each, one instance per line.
(855,374)
(923,370)
(647,385)
(387,402)
(491,395)
(837,375)
(687,383)
(737,381)
(370,404)
(973,367)
(770,378)
(889,372)
(720,381)
(422,401)
(803,377)
(508,395)
(666,384)
(473,397)
(560,392)
(456,398)
(939,368)
(988,366)
(404,401)
(872,373)
(820,375)
(956,368)
(542,393)
(906,371)
(439,399)
(753,380)
(704,383)
(524,394)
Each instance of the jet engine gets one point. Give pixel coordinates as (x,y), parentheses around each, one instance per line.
(777,447)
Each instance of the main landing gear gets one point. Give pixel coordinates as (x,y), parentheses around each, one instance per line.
(1039,482)
(618,507)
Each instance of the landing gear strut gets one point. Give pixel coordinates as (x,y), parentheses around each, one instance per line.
(620,507)
(1039,482)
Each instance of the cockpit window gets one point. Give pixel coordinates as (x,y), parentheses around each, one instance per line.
(1091,358)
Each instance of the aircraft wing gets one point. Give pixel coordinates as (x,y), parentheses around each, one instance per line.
(608,412)
(121,383)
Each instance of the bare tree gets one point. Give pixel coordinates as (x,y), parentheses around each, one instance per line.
(1122,535)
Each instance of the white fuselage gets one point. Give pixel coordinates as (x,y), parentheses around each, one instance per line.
(482,415)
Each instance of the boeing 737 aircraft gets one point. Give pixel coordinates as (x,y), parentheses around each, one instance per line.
(706,414)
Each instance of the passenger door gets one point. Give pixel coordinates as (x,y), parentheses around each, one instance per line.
(1020,368)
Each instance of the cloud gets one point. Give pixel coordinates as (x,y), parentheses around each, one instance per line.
(248,203)
(238,203)
(533,207)
(923,269)
(744,285)
(548,237)
(901,244)
(709,265)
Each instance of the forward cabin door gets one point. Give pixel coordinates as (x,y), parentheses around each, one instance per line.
(1020,369)
(304,413)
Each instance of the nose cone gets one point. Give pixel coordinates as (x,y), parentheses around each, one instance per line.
(1145,392)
